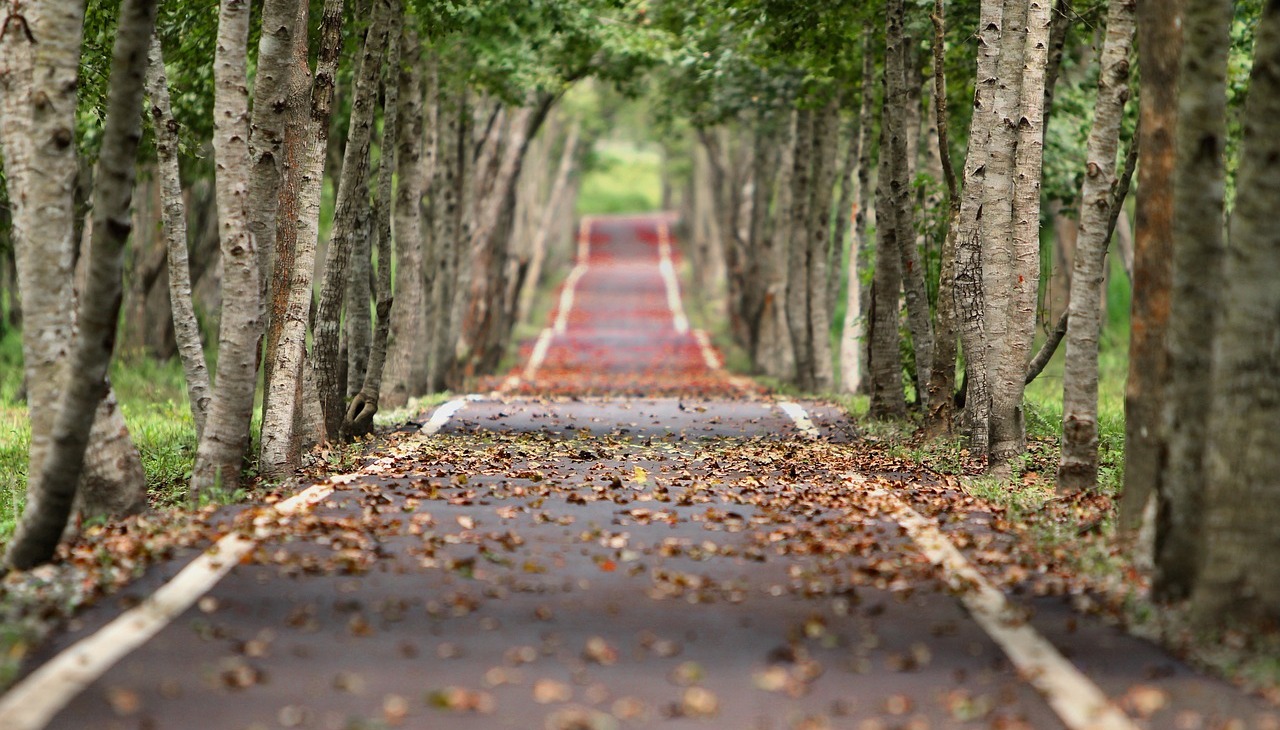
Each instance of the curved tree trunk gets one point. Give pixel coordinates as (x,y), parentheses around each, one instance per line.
(1198,254)
(186,326)
(359,418)
(1078,468)
(353,195)
(221,453)
(45,519)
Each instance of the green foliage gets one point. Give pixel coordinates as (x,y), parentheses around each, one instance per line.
(621,179)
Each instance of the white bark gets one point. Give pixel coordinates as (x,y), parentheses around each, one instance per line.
(220,456)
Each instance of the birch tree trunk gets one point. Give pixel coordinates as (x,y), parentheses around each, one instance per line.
(1078,468)
(353,196)
(797,307)
(899,122)
(969,296)
(220,455)
(999,268)
(1239,586)
(359,418)
(271,107)
(1160,44)
(887,397)
(297,234)
(41,138)
(826,136)
(406,371)
(186,326)
(1198,253)
(853,331)
(45,518)
(942,383)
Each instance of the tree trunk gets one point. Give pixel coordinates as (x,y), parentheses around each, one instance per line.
(359,417)
(45,518)
(969,271)
(358,322)
(565,169)
(887,397)
(1000,269)
(797,307)
(406,371)
(1239,586)
(1078,468)
(186,326)
(447,204)
(942,381)
(1198,253)
(853,333)
(220,455)
(297,234)
(826,136)
(272,89)
(898,122)
(352,197)
(1160,44)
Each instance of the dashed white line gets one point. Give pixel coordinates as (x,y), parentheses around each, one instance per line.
(33,702)
(1077,701)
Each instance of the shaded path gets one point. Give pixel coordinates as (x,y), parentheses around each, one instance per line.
(570,561)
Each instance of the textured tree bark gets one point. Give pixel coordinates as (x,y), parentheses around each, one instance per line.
(1078,468)
(1239,586)
(826,137)
(447,206)
(887,397)
(797,306)
(186,326)
(45,519)
(272,89)
(359,418)
(405,371)
(41,138)
(353,195)
(942,381)
(999,268)
(969,297)
(220,455)
(901,195)
(1160,46)
(853,331)
(774,352)
(1198,254)
(357,322)
(297,233)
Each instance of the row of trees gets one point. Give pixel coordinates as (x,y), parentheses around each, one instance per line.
(797,110)
(422,119)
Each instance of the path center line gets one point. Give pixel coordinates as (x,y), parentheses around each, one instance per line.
(1077,701)
(33,702)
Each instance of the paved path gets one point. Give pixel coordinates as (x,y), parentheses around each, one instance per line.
(695,555)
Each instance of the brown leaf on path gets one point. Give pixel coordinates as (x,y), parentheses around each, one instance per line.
(548,691)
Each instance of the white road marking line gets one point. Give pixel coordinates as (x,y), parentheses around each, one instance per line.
(33,702)
(800,418)
(668,270)
(566,297)
(445,412)
(539,354)
(584,240)
(709,355)
(1077,701)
